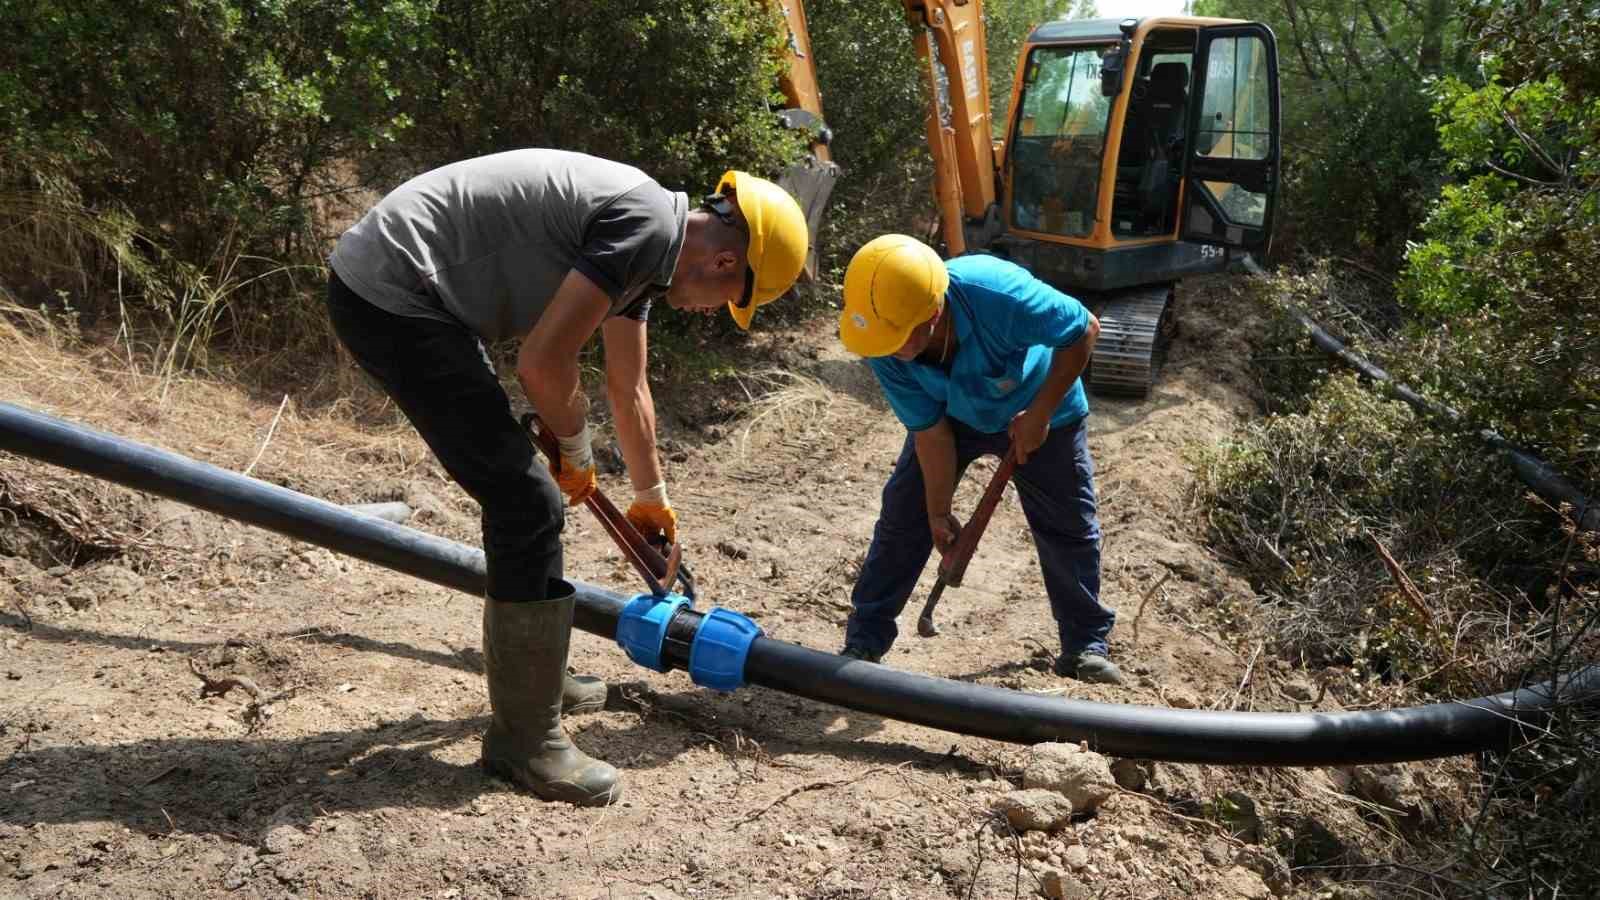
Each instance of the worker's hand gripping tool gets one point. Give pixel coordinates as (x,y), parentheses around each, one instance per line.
(953,564)
(660,570)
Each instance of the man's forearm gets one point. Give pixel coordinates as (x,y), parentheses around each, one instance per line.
(555,390)
(936,454)
(1066,365)
(635,415)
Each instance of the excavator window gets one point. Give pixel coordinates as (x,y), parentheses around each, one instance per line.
(1150,154)
(1061,134)
(1236,121)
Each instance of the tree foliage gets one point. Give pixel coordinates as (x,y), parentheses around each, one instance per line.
(1502,277)
(683,89)
(199,116)
(1361,158)
(213,122)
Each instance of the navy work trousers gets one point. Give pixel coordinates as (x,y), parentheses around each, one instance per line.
(1057,490)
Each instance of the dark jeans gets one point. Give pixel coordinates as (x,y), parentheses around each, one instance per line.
(440,376)
(1057,490)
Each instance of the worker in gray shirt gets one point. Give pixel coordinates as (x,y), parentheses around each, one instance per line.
(547,247)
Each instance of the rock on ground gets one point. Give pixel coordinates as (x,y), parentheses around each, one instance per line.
(1083,777)
(1034,810)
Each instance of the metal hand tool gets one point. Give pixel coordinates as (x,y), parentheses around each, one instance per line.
(953,564)
(659,571)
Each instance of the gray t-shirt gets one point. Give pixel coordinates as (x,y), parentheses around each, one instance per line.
(485,242)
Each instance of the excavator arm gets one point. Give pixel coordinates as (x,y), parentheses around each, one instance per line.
(811,179)
(949,39)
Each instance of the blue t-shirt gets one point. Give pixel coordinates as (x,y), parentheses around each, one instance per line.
(1008,326)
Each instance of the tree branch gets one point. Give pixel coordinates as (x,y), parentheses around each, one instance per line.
(1300,43)
(1341,82)
(1531,144)
(1531,182)
(1383,38)
(1347,37)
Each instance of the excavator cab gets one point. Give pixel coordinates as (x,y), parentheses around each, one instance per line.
(1140,151)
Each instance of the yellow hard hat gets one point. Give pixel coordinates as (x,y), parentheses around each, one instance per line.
(778,239)
(893,284)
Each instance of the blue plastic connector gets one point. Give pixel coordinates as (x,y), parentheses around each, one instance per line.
(720,647)
(642,627)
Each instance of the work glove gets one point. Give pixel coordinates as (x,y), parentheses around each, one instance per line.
(576,475)
(652,515)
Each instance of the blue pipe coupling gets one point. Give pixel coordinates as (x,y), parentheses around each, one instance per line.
(717,653)
(642,627)
(720,648)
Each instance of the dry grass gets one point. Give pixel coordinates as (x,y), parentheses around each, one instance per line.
(114,387)
(781,402)
(149,378)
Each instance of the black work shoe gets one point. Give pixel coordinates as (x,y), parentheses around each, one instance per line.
(1093,668)
(857,652)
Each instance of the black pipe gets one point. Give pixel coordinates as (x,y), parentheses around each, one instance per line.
(1278,739)
(1534,472)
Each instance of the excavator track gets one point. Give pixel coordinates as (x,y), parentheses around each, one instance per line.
(1135,327)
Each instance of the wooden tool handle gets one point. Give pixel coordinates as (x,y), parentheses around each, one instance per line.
(954,564)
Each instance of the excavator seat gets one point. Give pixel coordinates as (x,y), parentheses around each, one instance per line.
(1152,152)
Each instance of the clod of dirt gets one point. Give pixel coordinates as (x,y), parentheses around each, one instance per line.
(1182,698)
(1130,773)
(1298,688)
(1076,857)
(1271,868)
(1081,776)
(436,513)
(1237,810)
(1393,788)
(1058,885)
(37,586)
(281,835)
(81,598)
(1034,810)
(1315,844)
(113,582)
(1216,851)
(241,870)
(16,568)
(1244,884)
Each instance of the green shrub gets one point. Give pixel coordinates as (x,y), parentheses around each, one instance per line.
(1304,501)
(1502,283)
(683,89)
(222,129)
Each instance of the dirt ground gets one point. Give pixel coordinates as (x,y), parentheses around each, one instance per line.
(346,766)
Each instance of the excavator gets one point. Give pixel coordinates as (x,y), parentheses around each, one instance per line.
(1137,152)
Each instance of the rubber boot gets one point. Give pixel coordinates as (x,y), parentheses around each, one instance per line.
(525,654)
(582,694)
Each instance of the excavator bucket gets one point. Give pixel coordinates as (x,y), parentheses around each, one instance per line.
(811,182)
(811,179)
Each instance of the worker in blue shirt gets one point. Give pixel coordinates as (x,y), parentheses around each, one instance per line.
(977,356)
